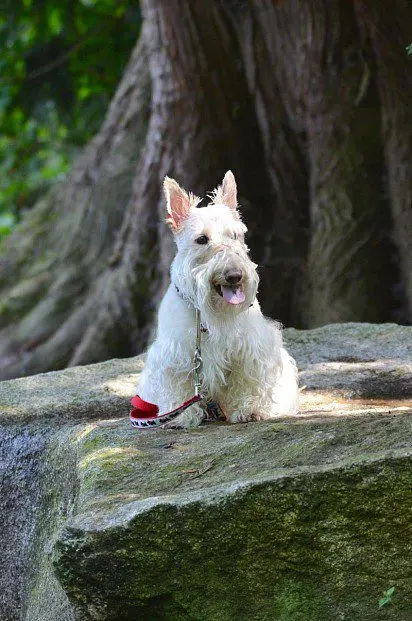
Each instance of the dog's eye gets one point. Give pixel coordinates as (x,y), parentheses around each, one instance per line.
(234,236)
(203,239)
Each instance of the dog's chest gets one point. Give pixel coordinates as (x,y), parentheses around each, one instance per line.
(221,358)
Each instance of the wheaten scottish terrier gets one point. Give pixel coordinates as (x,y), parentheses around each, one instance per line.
(246,370)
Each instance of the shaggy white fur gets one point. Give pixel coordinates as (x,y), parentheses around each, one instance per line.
(245,367)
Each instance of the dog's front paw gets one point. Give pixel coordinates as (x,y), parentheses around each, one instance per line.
(241,417)
(246,417)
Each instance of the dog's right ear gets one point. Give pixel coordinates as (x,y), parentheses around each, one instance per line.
(178,204)
(229,191)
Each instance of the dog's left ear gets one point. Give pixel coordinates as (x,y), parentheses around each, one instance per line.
(229,191)
(178,204)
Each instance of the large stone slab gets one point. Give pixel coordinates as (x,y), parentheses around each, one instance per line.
(302,519)
(290,520)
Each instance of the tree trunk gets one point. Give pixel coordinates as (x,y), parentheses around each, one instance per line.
(286,221)
(390,29)
(326,87)
(284,94)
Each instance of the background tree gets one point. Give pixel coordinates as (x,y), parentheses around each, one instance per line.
(307,101)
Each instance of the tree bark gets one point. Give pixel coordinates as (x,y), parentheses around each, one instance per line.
(389,27)
(286,95)
(286,221)
(326,86)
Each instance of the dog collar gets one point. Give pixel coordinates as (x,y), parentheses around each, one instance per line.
(184,297)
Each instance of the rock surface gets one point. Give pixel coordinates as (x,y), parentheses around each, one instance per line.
(302,519)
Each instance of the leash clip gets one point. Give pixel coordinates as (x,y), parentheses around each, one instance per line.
(198,362)
(197,369)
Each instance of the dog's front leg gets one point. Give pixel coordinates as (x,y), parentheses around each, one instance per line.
(175,390)
(192,417)
(265,392)
(242,402)
(249,395)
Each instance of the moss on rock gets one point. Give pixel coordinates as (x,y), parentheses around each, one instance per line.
(285,521)
(317,545)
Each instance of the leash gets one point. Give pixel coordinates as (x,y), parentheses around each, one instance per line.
(146,415)
(197,369)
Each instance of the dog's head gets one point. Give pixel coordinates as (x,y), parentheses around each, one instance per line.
(212,266)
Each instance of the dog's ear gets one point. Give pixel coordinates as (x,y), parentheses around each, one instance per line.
(229,190)
(178,204)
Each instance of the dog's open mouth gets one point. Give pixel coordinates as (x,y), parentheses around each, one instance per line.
(232,294)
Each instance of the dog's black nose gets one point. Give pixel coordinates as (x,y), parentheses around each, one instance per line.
(233,276)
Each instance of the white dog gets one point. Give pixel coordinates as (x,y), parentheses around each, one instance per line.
(245,368)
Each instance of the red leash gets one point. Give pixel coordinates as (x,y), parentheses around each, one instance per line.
(145,415)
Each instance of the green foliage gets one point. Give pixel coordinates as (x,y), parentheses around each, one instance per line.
(409,49)
(387,597)
(7,221)
(61,61)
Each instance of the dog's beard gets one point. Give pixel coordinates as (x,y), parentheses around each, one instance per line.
(205,286)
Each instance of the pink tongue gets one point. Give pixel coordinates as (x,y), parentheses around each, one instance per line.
(233,296)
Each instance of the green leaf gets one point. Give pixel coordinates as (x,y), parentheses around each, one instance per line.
(84,92)
(28,33)
(120,11)
(387,597)
(55,21)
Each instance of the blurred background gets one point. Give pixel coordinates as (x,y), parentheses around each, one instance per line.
(60,64)
(309,102)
